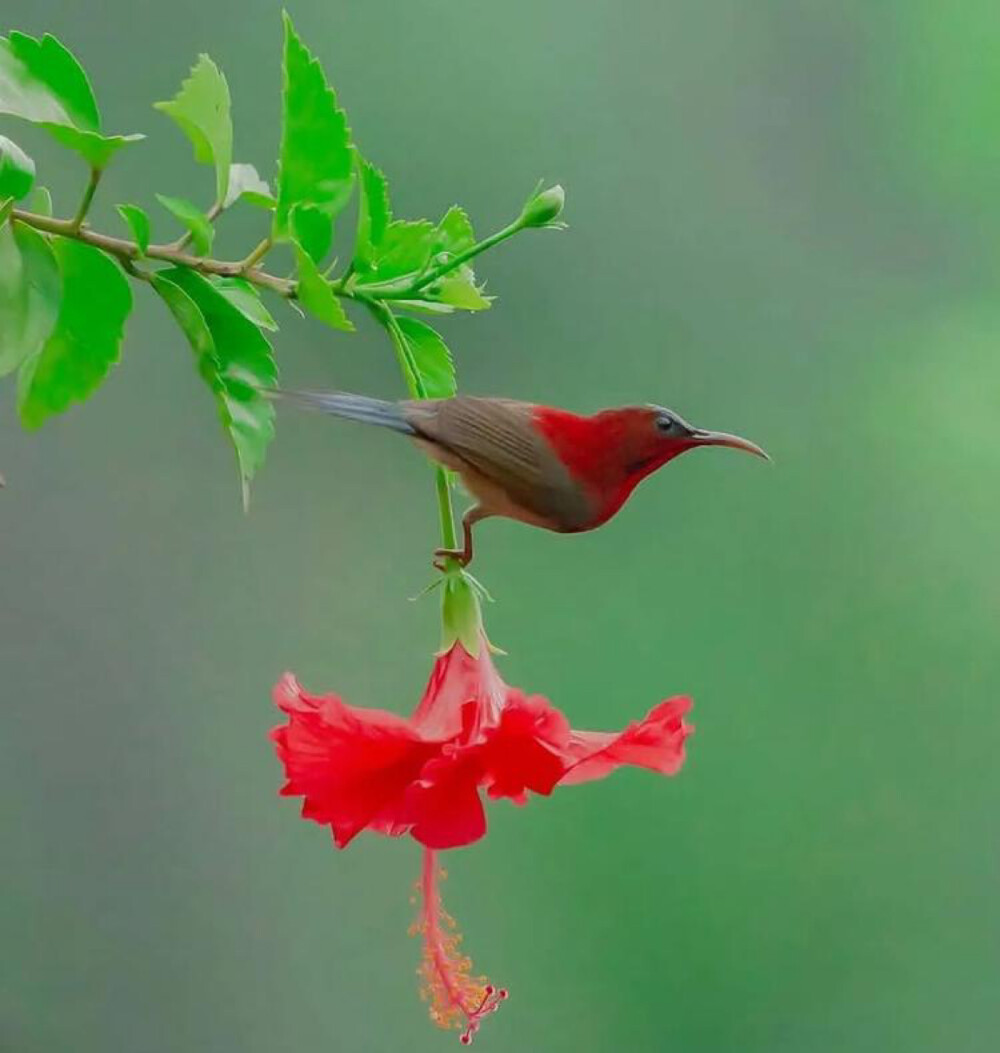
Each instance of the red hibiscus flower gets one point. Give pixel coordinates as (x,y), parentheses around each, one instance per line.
(367,769)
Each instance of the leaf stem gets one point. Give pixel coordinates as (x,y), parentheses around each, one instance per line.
(258,254)
(128,250)
(211,215)
(129,267)
(88,196)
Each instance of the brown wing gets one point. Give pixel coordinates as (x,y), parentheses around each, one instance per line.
(498,440)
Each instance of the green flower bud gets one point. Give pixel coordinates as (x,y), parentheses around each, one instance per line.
(543,207)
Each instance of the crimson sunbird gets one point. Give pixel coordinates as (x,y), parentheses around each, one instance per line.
(542,466)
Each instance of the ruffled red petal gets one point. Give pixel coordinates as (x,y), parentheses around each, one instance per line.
(525,751)
(656,742)
(368,769)
(352,766)
(444,806)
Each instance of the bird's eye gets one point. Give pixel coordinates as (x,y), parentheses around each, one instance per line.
(665,424)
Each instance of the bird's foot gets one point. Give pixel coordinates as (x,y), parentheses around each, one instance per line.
(442,555)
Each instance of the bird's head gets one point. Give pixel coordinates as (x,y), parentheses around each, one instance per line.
(656,435)
(610,453)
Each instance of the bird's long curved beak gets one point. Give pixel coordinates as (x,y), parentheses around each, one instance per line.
(720,438)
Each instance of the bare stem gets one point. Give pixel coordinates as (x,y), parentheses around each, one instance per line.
(129,251)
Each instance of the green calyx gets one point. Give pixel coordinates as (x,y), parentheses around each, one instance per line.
(461,617)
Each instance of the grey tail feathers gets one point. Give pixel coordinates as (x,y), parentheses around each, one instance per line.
(352,407)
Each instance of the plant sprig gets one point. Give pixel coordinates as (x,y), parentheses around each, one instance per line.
(56,328)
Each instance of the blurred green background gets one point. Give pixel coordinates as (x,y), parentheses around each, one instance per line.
(785,222)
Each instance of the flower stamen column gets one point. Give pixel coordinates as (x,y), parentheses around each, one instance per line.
(456,997)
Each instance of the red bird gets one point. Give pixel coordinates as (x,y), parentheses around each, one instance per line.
(539,465)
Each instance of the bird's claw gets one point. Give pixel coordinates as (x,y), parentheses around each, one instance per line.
(442,555)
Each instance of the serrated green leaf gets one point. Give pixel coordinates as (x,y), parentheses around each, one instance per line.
(316,296)
(425,359)
(42,82)
(374,213)
(405,248)
(455,233)
(234,358)
(245,184)
(138,224)
(312,230)
(86,341)
(431,358)
(40,201)
(459,289)
(30,290)
(17,170)
(192,322)
(96,150)
(244,297)
(408,248)
(201,110)
(316,165)
(202,231)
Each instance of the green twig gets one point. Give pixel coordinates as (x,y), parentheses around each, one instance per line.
(463,257)
(398,289)
(185,239)
(88,196)
(257,255)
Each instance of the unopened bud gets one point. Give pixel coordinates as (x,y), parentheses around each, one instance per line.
(543,207)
